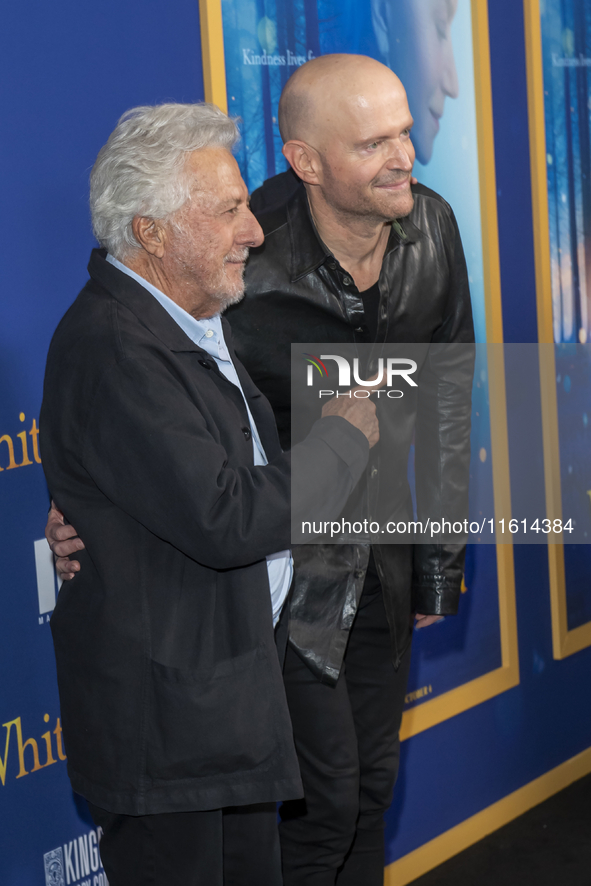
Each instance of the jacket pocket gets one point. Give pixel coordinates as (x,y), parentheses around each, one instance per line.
(211,722)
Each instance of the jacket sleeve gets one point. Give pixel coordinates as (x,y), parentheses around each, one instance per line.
(442,450)
(161,459)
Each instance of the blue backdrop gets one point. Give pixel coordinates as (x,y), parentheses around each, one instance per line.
(68,71)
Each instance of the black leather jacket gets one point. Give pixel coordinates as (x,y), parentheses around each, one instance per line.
(298,292)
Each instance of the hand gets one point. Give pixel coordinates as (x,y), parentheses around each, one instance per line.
(423,621)
(63,541)
(413,180)
(361,412)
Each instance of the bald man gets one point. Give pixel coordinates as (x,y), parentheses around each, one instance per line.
(357,254)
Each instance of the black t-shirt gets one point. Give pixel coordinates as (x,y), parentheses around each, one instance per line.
(371,301)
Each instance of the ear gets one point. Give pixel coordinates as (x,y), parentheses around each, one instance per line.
(150,235)
(379,18)
(304,160)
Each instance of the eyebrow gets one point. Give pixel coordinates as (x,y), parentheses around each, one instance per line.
(380,138)
(230,202)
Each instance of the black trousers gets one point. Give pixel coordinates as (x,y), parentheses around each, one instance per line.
(347,742)
(348,748)
(222,847)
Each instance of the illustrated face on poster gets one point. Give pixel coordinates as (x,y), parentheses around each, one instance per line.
(414,39)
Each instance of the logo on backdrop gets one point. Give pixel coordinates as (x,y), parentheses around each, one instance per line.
(48,584)
(54,868)
(11,451)
(77,863)
(15,746)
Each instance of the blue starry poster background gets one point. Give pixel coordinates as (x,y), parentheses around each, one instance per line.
(264,42)
(566,52)
(72,73)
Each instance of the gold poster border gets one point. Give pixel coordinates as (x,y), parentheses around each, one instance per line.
(476,691)
(428,856)
(564,642)
(505,677)
(212,53)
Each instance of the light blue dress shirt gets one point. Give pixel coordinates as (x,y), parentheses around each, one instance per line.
(208,334)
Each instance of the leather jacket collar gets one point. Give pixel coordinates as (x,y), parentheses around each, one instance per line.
(308,251)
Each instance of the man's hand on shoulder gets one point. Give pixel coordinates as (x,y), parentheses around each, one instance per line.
(63,541)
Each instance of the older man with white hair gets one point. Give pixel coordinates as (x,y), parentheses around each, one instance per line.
(158,447)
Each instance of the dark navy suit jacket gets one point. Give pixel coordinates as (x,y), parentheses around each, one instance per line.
(170,686)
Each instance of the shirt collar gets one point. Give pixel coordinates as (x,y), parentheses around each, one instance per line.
(207,334)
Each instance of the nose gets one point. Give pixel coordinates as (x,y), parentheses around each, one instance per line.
(250,233)
(402,155)
(449,78)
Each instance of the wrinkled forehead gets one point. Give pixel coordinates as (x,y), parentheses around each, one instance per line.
(214,175)
(370,113)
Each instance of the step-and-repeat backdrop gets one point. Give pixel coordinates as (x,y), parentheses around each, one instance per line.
(437,48)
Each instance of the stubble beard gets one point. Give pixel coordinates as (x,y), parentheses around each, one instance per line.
(401,205)
(222,289)
(231,292)
(374,206)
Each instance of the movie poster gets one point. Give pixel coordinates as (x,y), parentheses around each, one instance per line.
(566,58)
(430,47)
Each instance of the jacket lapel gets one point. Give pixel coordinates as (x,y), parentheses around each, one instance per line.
(140,302)
(152,315)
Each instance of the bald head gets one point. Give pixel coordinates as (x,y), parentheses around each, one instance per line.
(320,91)
(346,127)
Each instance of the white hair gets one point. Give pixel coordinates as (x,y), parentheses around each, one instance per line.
(140,171)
